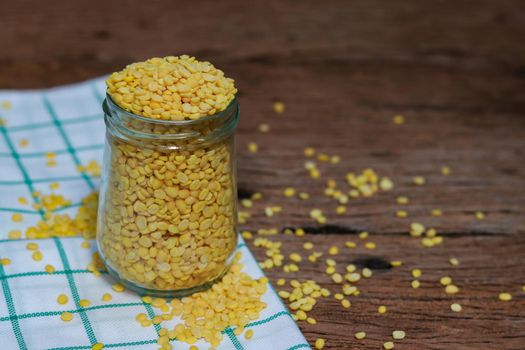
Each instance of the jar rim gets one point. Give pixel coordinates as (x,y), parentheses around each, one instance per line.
(110,105)
(118,122)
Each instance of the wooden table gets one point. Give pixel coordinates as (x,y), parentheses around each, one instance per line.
(454,69)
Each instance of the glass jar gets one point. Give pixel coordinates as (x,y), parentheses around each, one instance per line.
(168,200)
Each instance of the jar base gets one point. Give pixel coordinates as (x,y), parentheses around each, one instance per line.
(178,293)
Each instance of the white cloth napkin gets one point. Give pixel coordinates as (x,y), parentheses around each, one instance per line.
(68,121)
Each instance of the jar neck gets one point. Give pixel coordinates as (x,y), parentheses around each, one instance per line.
(134,128)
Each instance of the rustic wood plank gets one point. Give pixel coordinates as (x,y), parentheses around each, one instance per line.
(344,69)
(488,265)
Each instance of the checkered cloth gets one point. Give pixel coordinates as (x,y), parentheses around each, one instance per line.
(68,122)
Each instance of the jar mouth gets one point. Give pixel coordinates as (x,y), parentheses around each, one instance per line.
(133,127)
(111,107)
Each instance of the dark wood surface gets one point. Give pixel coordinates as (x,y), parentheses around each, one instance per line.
(454,69)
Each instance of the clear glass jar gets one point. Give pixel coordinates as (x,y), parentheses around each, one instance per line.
(167,220)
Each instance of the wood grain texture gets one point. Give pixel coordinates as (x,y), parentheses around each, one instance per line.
(454,69)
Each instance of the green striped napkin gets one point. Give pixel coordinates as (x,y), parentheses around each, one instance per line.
(67,121)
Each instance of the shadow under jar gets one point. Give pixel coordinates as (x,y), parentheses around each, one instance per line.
(167,212)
